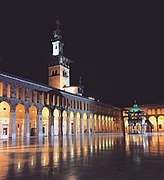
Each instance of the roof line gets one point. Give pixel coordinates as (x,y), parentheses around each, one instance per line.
(25,81)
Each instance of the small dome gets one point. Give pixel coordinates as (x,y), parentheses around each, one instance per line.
(135,109)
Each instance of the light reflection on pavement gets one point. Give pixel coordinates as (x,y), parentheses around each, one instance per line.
(99,156)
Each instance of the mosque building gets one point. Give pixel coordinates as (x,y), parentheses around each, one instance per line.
(29,108)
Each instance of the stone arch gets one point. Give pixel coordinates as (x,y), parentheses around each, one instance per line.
(161,123)
(45,121)
(56,115)
(153,121)
(85,118)
(20,120)
(65,122)
(5,120)
(33,110)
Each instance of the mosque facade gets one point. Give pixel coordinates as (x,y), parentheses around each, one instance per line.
(29,108)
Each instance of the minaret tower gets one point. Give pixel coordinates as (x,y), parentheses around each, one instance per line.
(58,70)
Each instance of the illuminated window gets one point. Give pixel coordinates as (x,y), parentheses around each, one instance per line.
(31,95)
(9,91)
(18,92)
(66,102)
(63,101)
(153,111)
(48,99)
(58,101)
(149,111)
(24,94)
(1,89)
(43,97)
(158,111)
(37,96)
(54,100)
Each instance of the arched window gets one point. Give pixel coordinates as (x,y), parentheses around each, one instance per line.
(24,94)
(54,100)
(1,89)
(58,100)
(9,91)
(31,95)
(162,111)
(71,103)
(53,74)
(149,112)
(153,111)
(158,111)
(43,98)
(63,102)
(77,103)
(74,104)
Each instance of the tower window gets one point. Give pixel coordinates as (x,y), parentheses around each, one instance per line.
(56,47)
(53,73)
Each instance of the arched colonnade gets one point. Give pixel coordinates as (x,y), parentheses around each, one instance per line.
(20,121)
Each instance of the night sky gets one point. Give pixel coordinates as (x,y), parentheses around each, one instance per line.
(117,48)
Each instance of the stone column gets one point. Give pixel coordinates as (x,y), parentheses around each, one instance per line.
(88,125)
(39,125)
(69,123)
(27,94)
(75,124)
(13,91)
(82,125)
(27,125)
(92,125)
(13,120)
(39,97)
(61,123)
(51,126)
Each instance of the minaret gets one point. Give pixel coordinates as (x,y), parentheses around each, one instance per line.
(58,70)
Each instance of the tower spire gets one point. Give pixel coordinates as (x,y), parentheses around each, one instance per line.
(57,32)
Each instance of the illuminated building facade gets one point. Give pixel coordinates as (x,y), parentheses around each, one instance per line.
(153,115)
(29,108)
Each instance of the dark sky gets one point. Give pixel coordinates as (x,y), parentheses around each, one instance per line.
(117,48)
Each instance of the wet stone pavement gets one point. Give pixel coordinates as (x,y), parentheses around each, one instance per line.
(94,157)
